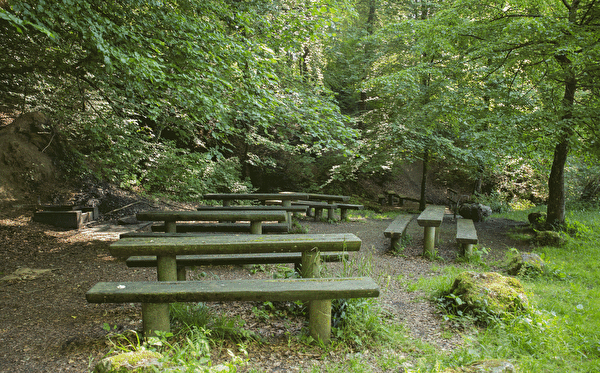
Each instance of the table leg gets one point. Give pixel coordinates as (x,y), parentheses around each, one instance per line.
(255,227)
(166,267)
(288,203)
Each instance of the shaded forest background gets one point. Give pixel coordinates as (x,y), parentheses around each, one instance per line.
(181,98)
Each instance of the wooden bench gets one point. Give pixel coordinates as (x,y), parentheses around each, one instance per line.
(396,230)
(224,228)
(156,296)
(466,236)
(431,218)
(170,218)
(344,207)
(184,261)
(318,207)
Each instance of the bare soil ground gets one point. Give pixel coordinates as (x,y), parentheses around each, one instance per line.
(46,325)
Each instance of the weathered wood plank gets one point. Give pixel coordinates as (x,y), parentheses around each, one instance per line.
(234,259)
(255,196)
(232,290)
(432,216)
(398,226)
(221,228)
(253,208)
(212,216)
(319,204)
(466,232)
(327,197)
(234,244)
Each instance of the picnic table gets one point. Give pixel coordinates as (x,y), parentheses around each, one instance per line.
(288,209)
(170,218)
(155,310)
(330,202)
(167,248)
(431,218)
(285,198)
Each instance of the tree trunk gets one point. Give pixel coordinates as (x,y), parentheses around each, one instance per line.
(556,182)
(556,185)
(423,201)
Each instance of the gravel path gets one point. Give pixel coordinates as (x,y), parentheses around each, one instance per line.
(47,326)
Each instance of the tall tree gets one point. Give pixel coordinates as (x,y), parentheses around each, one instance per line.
(543,55)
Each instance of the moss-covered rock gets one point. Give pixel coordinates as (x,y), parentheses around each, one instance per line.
(487,294)
(129,362)
(526,264)
(549,238)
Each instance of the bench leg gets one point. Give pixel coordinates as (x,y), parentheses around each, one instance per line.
(467,250)
(318,213)
(395,243)
(429,241)
(181,273)
(309,212)
(331,214)
(155,317)
(288,203)
(343,214)
(319,320)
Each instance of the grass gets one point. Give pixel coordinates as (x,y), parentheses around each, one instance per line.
(560,332)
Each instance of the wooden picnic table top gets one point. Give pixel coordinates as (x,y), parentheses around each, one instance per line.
(432,216)
(321,197)
(253,208)
(257,196)
(275,215)
(233,244)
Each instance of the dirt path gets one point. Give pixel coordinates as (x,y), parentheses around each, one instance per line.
(47,326)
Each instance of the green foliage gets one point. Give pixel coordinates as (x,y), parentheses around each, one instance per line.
(359,323)
(196,317)
(217,78)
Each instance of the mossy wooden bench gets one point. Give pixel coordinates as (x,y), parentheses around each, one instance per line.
(170,218)
(318,207)
(156,296)
(431,218)
(184,261)
(344,207)
(223,228)
(397,229)
(466,235)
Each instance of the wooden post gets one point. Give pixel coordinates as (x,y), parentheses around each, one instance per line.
(153,318)
(467,250)
(395,242)
(156,315)
(318,213)
(319,311)
(330,211)
(319,320)
(166,267)
(181,273)
(429,241)
(255,227)
(288,203)
(170,226)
